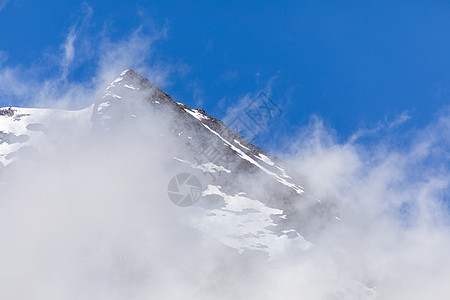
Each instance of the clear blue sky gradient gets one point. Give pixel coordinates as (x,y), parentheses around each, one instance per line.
(353,63)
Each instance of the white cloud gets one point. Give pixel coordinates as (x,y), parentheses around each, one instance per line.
(134,52)
(33,86)
(393,203)
(381,127)
(238,108)
(3,57)
(3,4)
(69,51)
(117,237)
(399,120)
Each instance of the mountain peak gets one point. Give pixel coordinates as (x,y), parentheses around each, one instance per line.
(276,205)
(129,86)
(124,72)
(130,73)
(131,77)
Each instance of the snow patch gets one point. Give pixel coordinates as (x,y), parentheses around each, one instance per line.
(240,145)
(196,114)
(244,224)
(130,87)
(206,167)
(280,179)
(265,159)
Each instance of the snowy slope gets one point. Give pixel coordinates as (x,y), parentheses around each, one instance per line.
(24,130)
(244,219)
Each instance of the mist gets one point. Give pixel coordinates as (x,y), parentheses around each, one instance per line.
(89,217)
(391,201)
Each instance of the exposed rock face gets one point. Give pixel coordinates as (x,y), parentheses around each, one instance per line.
(263,216)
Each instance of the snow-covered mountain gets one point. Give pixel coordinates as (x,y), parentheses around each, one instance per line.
(267,217)
(77,205)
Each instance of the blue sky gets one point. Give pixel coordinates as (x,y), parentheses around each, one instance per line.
(364,87)
(358,65)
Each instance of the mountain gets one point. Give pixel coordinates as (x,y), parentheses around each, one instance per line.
(248,200)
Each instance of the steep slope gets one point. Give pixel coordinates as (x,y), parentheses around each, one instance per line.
(248,202)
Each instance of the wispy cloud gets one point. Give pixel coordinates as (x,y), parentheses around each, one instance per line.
(237,108)
(393,203)
(69,52)
(399,120)
(94,221)
(3,4)
(381,127)
(48,84)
